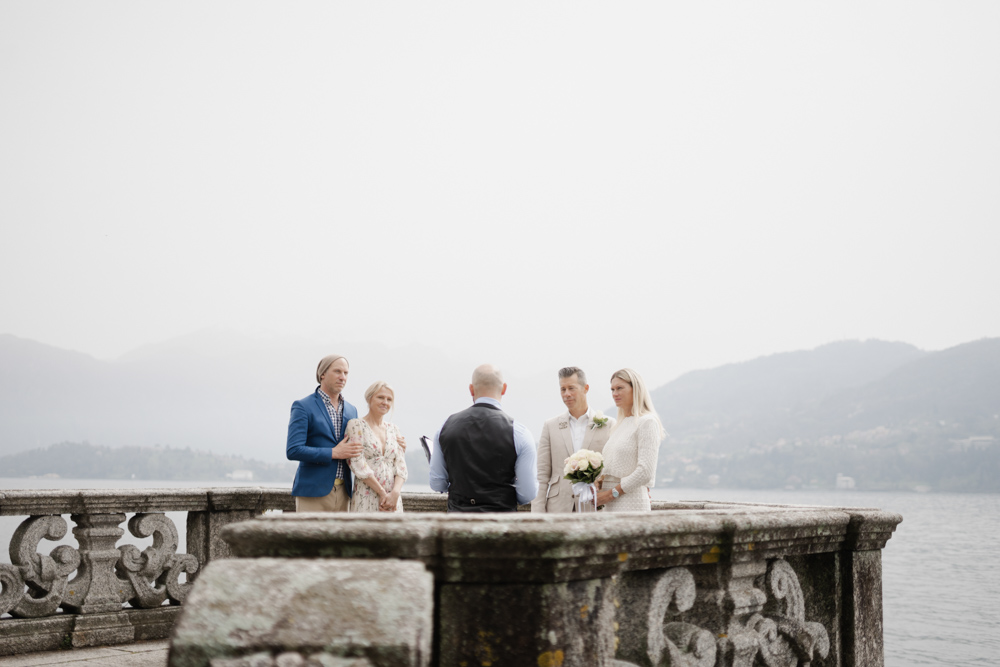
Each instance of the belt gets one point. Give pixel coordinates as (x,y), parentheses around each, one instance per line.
(338,482)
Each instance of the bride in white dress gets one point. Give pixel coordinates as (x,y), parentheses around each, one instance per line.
(630,455)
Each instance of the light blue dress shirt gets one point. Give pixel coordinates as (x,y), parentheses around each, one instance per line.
(525,468)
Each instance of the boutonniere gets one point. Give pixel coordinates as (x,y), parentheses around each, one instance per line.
(598,420)
(563,424)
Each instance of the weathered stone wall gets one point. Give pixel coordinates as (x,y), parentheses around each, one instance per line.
(689,584)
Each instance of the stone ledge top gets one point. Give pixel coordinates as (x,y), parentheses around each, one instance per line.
(31,502)
(520,546)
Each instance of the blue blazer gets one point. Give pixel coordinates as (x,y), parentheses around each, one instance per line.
(311,439)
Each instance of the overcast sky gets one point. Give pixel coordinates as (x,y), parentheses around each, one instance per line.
(534,183)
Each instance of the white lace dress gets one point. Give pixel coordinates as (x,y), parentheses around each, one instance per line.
(630,459)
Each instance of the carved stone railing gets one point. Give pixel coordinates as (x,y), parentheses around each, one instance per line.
(692,584)
(101,592)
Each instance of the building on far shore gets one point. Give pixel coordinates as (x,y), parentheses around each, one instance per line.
(844,482)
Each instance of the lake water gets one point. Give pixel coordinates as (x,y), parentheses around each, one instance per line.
(940,586)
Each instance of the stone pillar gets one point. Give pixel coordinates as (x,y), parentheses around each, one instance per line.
(203,541)
(225,507)
(96,584)
(861,619)
(861,575)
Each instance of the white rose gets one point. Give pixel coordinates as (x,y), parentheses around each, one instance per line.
(595,459)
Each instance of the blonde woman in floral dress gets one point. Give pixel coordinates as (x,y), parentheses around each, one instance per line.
(380,470)
(632,449)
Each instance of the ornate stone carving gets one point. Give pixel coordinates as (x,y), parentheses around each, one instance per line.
(667,642)
(778,635)
(780,639)
(11,587)
(685,644)
(44,575)
(95,588)
(36,585)
(153,575)
(786,638)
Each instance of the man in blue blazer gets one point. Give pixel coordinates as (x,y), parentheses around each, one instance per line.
(316,440)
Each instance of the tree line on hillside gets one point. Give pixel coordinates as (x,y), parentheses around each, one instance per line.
(903,463)
(885,414)
(87,461)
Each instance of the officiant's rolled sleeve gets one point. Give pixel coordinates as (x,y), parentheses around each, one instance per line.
(526,468)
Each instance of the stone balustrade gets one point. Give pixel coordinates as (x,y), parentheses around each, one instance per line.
(119,594)
(690,584)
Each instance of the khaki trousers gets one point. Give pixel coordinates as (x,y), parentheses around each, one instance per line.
(335,501)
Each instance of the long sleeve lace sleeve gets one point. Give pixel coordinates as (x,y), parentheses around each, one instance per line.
(359,466)
(647,437)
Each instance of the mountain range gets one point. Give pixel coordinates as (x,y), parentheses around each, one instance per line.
(887,415)
(224,393)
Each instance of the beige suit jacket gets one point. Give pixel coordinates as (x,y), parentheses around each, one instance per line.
(555,494)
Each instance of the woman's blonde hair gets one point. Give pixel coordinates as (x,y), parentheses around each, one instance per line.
(642,402)
(375,388)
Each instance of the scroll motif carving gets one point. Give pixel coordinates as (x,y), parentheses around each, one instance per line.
(667,642)
(44,575)
(786,638)
(35,585)
(685,644)
(153,574)
(780,637)
(11,587)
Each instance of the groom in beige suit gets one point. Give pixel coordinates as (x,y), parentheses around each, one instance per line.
(570,432)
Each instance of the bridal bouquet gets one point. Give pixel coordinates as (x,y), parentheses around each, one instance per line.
(583,468)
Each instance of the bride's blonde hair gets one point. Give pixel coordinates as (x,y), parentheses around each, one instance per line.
(642,402)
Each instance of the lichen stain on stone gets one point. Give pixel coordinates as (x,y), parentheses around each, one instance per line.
(551,659)
(584,611)
(484,648)
(712,556)
(622,557)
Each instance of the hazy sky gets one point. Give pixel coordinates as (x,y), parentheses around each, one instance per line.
(534,183)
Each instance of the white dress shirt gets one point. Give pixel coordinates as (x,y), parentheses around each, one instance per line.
(578,429)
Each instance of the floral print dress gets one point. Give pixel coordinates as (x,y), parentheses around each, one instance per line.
(386,466)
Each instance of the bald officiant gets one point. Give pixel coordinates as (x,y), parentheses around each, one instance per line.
(578,428)
(482,458)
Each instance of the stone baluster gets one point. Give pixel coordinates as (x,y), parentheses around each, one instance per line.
(96,587)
